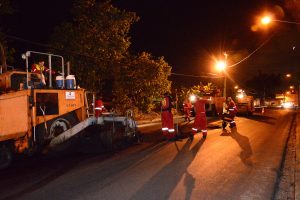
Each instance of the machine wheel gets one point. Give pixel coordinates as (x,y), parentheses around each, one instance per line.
(54,128)
(6,156)
(58,126)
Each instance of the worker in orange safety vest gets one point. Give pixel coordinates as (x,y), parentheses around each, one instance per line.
(200,122)
(168,130)
(99,107)
(39,68)
(187,107)
(232,110)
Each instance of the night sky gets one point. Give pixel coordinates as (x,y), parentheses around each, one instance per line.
(187,33)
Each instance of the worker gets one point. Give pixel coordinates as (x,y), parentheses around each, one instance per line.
(187,107)
(99,107)
(40,68)
(232,111)
(168,130)
(200,122)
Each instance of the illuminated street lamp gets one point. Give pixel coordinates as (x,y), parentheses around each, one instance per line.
(266,20)
(221,66)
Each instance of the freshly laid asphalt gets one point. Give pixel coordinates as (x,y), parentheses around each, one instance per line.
(213,121)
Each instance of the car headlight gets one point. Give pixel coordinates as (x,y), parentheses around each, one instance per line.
(287,105)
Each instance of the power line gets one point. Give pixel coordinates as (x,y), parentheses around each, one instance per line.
(258,48)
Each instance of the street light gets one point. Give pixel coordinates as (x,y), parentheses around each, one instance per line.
(221,66)
(268,19)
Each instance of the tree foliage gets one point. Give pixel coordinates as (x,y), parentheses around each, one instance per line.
(5,9)
(143,79)
(96,42)
(265,84)
(199,90)
(97,38)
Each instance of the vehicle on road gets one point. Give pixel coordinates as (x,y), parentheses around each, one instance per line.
(244,103)
(35,117)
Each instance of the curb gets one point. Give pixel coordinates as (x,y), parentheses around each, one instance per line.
(297,149)
(140,122)
(210,120)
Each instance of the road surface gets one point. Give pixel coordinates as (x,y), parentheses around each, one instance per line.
(238,163)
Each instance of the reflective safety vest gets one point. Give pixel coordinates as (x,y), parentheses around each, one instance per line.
(232,108)
(166,104)
(37,68)
(200,105)
(98,107)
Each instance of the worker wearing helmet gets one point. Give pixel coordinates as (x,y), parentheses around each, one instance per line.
(232,110)
(99,107)
(187,107)
(200,122)
(168,130)
(40,68)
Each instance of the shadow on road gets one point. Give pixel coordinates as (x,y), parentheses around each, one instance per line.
(162,184)
(244,143)
(225,132)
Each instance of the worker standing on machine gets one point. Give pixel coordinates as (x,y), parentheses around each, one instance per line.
(99,107)
(40,68)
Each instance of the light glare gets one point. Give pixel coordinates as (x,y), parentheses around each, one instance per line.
(192,98)
(221,65)
(266,20)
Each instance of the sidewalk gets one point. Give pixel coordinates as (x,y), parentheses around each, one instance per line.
(180,119)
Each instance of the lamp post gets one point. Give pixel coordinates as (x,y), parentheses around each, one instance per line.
(221,66)
(266,20)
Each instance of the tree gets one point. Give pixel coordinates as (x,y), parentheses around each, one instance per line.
(143,79)
(199,90)
(5,9)
(265,84)
(95,41)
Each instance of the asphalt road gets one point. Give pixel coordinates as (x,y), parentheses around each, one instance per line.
(239,163)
